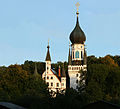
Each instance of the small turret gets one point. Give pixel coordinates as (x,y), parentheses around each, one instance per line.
(35,71)
(69,57)
(63,72)
(85,58)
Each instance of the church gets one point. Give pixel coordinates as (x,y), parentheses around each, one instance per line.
(77,61)
(56,81)
(77,58)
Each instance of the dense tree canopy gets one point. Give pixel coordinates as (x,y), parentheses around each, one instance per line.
(16,82)
(102,79)
(100,82)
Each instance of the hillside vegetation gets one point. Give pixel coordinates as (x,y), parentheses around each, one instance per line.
(19,85)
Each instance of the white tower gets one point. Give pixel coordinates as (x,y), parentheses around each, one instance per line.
(77,59)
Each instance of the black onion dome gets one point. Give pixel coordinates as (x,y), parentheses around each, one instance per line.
(77,36)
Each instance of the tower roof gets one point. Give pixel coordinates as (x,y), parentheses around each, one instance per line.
(77,36)
(35,72)
(48,58)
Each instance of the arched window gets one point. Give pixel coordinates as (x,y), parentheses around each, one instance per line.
(77,54)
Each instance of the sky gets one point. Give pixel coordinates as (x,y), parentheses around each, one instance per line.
(26,26)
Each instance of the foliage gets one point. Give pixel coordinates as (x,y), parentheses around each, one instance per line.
(102,79)
(16,82)
(100,82)
(29,66)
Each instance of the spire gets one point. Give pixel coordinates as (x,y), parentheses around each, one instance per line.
(35,72)
(48,58)
(77,5)
(63,72)
(85,57)
(69,56)
(77,36)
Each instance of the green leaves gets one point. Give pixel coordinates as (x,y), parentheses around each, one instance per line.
(103,79)
(16,82)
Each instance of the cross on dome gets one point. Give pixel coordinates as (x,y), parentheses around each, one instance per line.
(77,5)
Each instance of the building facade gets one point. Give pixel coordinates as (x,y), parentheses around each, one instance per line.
(56,81)
(77,58)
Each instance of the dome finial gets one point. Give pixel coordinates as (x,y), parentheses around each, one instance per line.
(48,41)
(77,5)
(48,44)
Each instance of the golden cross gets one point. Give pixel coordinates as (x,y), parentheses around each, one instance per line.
(48,41)
(77,5)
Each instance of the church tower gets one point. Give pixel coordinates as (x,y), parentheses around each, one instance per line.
(77,58)
(48,59)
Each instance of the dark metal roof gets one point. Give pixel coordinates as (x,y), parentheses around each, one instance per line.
(7,105)
(55,73)
(48,58)
(77,36)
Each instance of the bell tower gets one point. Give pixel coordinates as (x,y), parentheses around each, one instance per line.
(77,59)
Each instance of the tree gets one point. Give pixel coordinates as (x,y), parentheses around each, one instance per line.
(16,82)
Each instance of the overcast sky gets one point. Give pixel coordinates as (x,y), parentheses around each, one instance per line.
(26,26)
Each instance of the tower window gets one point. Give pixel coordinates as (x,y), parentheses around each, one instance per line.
(76,75)
(77,54)
(76,87)
(77,81)
(57,84)
(51,77)
(73,55)
(48,83)
(47,77)
(51,84)
(81,54)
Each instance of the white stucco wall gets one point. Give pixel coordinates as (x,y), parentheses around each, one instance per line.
(55,80)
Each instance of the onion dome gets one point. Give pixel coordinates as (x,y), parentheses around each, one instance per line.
(77,36)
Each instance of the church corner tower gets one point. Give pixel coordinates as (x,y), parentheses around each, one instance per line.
(77,58)
(48,59)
